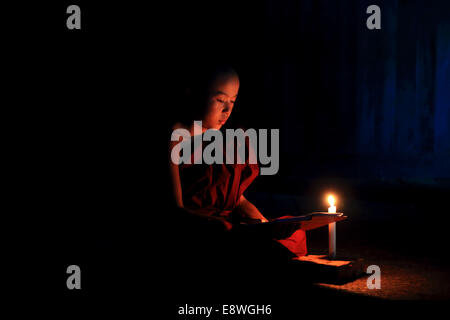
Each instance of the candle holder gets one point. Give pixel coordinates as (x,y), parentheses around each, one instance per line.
(329,268)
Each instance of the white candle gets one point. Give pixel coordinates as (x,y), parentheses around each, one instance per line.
(332,230)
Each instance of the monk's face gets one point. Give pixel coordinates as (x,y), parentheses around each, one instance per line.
(222,95)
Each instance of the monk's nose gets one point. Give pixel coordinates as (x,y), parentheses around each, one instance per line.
(227,107)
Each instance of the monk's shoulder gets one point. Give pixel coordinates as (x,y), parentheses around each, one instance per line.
(180,130)
(178,125)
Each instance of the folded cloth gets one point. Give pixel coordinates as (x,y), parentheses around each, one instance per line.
(296,243)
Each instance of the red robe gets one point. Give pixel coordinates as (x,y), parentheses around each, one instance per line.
(216,190)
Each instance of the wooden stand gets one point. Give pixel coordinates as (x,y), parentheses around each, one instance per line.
(336,271)
(324,269)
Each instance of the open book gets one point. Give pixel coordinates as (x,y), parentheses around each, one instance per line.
(311,220)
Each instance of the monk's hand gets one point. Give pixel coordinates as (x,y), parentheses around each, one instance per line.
(247,220)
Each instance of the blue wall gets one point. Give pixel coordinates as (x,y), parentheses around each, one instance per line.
(360,103)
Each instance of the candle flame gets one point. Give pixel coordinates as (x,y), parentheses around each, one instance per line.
(331,200)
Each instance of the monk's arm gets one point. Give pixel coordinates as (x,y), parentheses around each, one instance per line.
(276,231)
(248,209)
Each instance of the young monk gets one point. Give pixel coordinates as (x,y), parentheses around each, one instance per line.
(210,199)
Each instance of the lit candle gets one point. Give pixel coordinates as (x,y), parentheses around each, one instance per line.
(332,230)
(332,208)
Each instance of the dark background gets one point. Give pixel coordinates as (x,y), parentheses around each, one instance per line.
(363,113)
(350,102)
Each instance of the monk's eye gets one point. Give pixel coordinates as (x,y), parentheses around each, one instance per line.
(232,101)
(220,100)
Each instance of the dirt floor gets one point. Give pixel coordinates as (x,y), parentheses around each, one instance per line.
(405,274)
